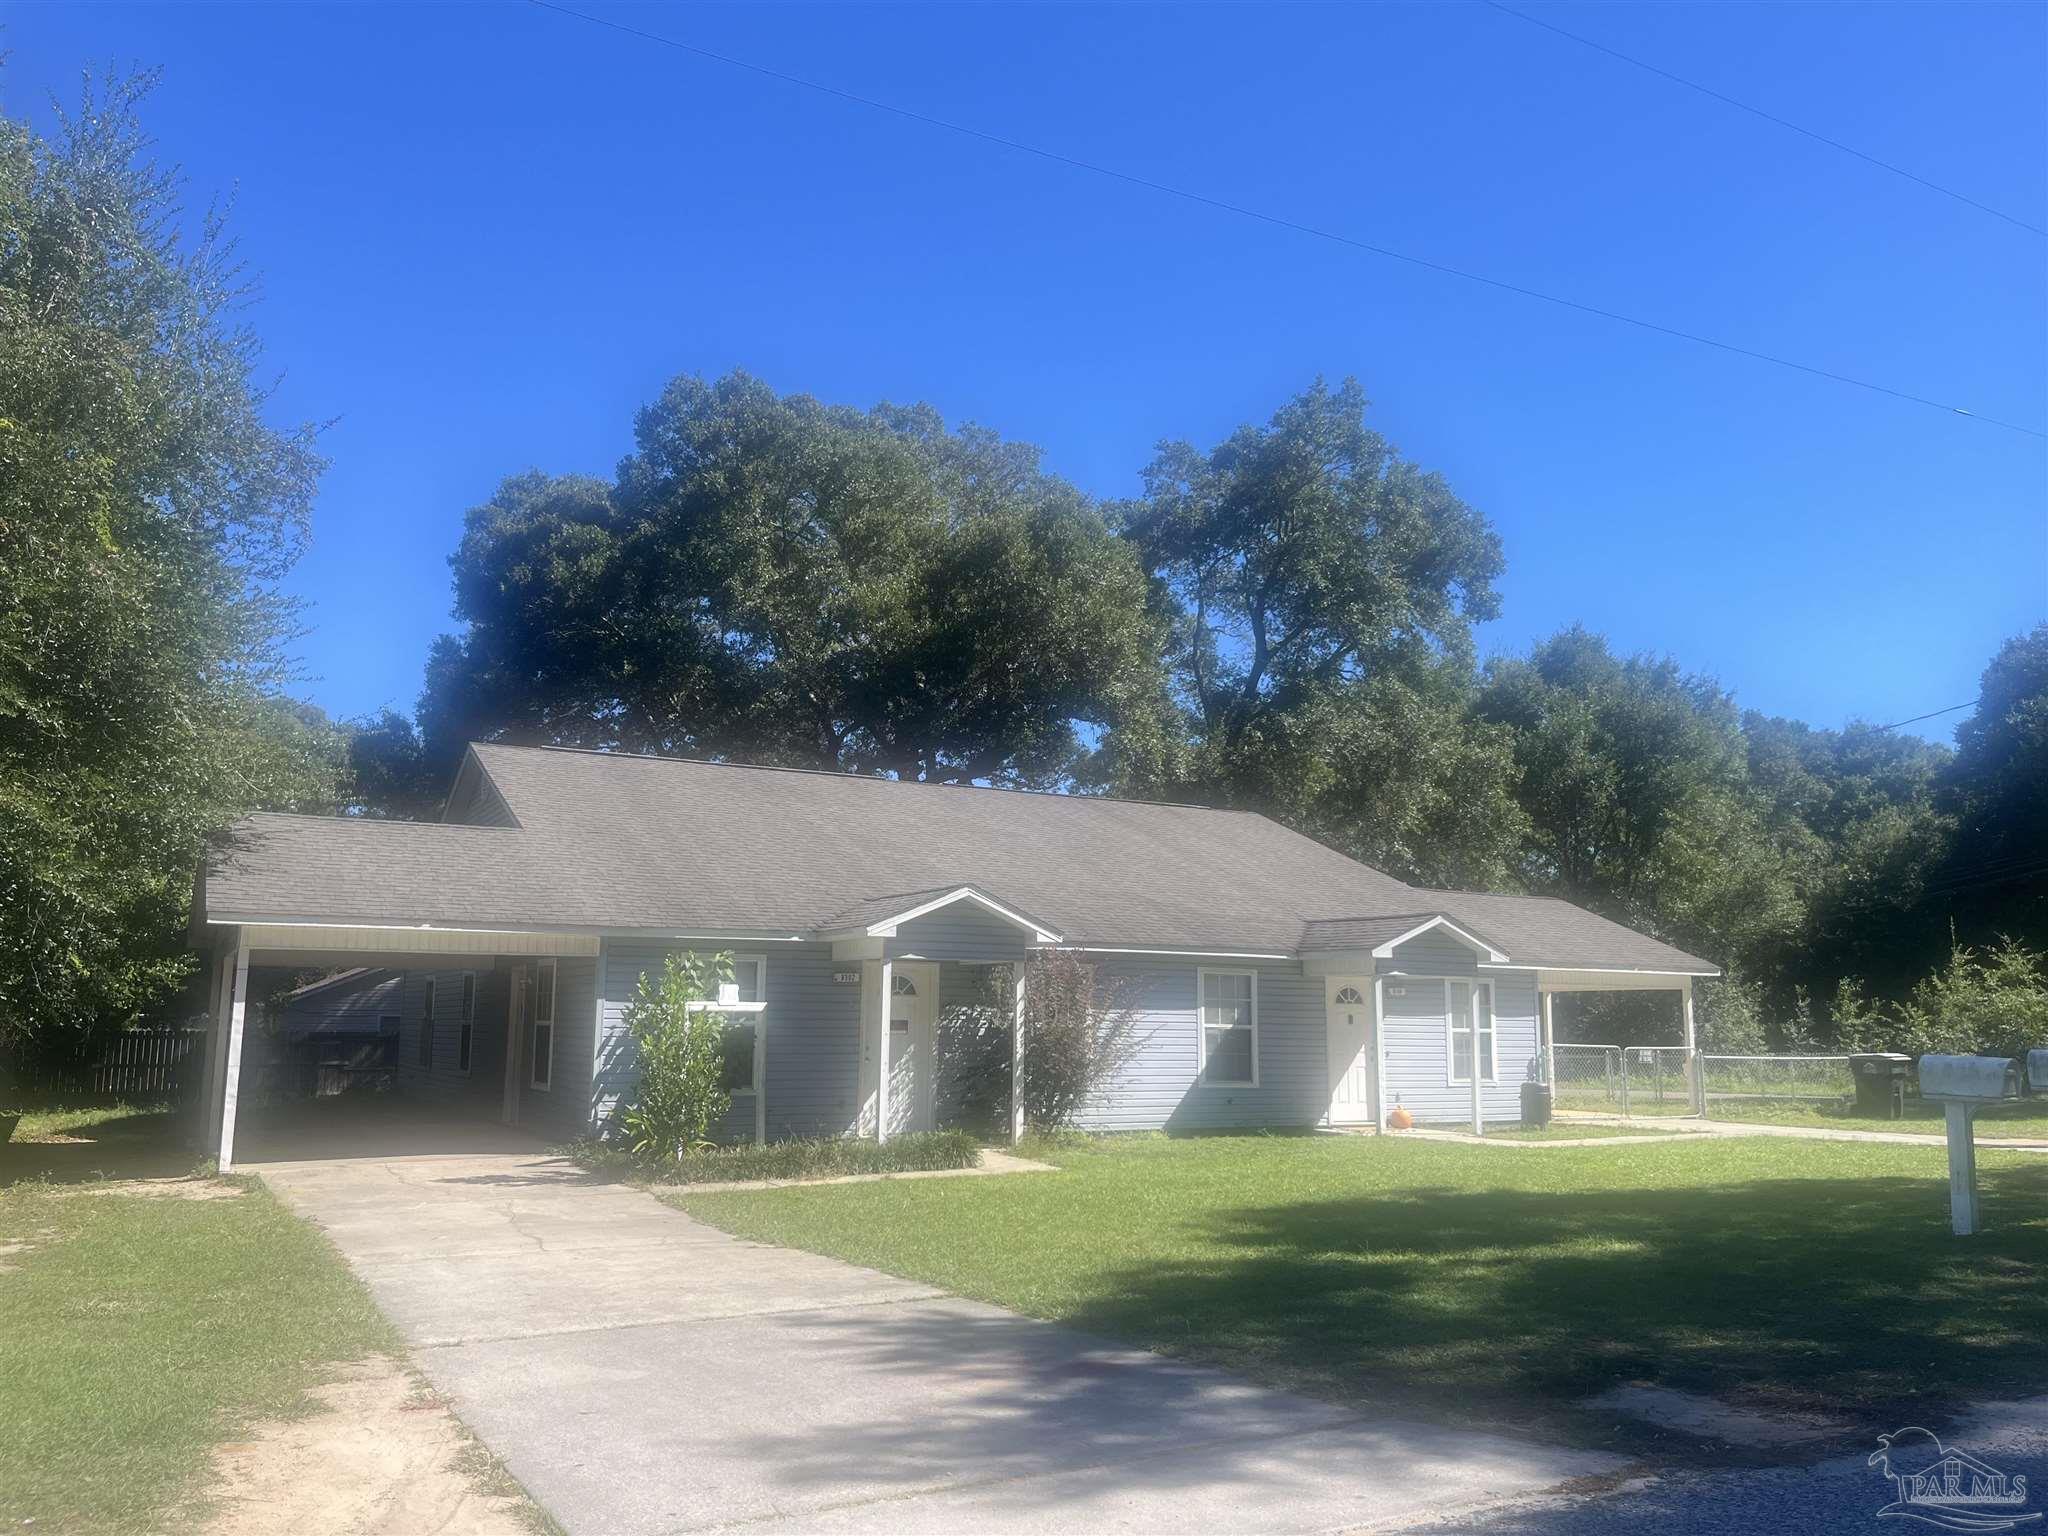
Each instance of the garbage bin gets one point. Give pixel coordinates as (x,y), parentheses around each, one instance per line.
(1536,1104)
(1881,1083)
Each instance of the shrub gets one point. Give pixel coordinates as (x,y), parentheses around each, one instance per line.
(1992,1002)
(813,1158)
(1079,1035)
(683,1048)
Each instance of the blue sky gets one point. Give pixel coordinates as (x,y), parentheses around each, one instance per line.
(489,233)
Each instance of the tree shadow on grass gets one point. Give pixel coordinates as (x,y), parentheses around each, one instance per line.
(149,1145)
(1847,1297)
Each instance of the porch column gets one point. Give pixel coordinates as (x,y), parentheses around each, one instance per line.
(1379,1056)
(231,1077)
(885,976)
(1549,1044)
(761,1078)
(515,996)
(1692,1053)
(208,1104)
(1017,1051)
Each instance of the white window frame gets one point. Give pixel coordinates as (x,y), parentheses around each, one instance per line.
(554,995)
(1202,975)
(465,1025)
(757,1007)
(423,1058)
(1451,1078)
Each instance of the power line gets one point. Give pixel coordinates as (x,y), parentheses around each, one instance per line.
(1277,220)
(1769,117)
(1930,715)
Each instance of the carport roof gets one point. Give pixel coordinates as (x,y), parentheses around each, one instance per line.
(615,843)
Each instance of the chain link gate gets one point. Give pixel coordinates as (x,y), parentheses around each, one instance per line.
(1631,1080)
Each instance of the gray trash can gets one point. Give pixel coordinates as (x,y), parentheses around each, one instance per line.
(1536,1104)
(1881,1083)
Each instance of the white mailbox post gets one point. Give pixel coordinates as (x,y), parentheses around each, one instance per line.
(1963,1085)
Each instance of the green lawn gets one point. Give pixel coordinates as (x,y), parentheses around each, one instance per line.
(2028,1118)
(1453,1282)
(140,1332)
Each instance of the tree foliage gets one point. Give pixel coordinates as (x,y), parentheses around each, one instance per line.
(777,580)
(148,509)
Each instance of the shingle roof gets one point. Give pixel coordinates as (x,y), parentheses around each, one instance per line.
(1561,936)
(609,841)
(1371,932)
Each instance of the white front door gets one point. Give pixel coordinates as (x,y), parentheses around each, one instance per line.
(912,1011)
(1350,1046)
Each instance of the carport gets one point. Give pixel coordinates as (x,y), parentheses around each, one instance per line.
(484,1045)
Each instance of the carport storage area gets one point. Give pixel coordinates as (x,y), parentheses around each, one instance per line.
(436,1026)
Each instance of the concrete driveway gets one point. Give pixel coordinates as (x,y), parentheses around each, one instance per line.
(643,1374)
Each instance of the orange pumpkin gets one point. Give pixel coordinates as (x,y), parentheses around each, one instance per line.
(1400,1119)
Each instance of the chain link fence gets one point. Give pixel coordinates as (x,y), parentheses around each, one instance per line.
(1777,1077)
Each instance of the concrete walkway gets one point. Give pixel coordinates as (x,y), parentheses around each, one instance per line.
(643,1374)
(1819,1133)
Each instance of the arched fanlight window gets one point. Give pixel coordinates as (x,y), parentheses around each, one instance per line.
(904,986)
(1348,997)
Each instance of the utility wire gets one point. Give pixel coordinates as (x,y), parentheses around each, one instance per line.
(1769,117)
(1930,715)
(1277,220)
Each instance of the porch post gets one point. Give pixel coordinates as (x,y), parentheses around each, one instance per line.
(761,1077)
(885,975)
(231,1079)
(1379,1056)
(515,990)
(1692,1052)
(209,1075)
(1549,1044)
(1017,1051)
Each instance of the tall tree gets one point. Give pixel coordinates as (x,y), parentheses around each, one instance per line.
(147,511)
(1635,781)
(1994,882)
(778,580)
(1320,592)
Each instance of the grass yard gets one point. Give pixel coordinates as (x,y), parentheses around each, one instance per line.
(141,1331)
(1454,1282)
(2027,1118)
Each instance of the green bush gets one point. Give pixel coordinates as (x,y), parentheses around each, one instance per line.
(822,1157)
(1991,1002)
(682,1049)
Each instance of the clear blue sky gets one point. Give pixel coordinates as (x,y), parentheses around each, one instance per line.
(489,233)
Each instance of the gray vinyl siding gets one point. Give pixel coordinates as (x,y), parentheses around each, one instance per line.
(358,1006)
(563,1109)
(475,801)
(444,1081)
(963,931)
(813,1040)
(1161,1088)
(1417,1063)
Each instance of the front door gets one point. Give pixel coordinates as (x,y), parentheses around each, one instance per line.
(1350,1046)
(912,1010)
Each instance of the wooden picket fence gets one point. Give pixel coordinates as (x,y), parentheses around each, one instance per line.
(136,1063)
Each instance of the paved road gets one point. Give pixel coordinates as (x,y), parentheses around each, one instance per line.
(644,1375)
(1837,1497)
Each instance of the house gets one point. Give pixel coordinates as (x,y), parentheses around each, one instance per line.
(1281,983)
(338,1032)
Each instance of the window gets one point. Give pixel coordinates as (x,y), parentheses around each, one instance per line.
(543,1036)
(467,1037)
(1230,1027)
(743,1022)
(1470,1003)
(1350,997)
(427,1031)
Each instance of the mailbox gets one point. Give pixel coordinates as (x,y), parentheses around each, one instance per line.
(2037,1071)
(1969,1079)
(1963,1085)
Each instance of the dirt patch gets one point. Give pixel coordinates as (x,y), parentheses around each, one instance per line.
(376,1456)
(187,1188)
(13,1247)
